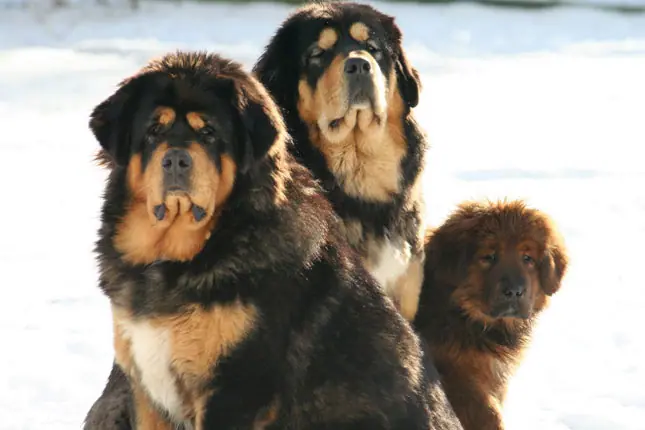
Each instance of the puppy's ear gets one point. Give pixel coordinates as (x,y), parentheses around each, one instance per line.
(553,267)
(109,123)
(451,249)
(407,76)
(261,124)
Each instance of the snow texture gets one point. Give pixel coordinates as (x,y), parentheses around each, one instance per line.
(544,105)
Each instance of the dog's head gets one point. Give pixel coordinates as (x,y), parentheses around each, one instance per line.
(503,259)
(341,66)
(181,132)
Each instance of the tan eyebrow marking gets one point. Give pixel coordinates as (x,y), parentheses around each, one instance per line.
(327,38)
(359,32)
(165,115)
(195,120)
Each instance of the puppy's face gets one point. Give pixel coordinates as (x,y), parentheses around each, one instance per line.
(182,131)
(504,258)
(349,66)
(506,275)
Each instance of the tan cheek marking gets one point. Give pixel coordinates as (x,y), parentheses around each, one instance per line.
(211,187)
(153,176)
(195,121)
(227,179)
(359,32)
(327,38)
(305,102)
(135,176)
(330,90)
(165,115)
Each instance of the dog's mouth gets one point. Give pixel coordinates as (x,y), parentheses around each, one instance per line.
(361,106)
(361,99)
(510,311)
(199,213)
(178,203)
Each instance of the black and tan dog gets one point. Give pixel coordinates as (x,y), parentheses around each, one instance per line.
(236,301)
(340,75)
(490,270)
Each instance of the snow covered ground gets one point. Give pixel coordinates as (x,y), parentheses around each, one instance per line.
(547,106)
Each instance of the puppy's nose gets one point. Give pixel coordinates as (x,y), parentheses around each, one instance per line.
(176,161)
(513,289)
(357,66)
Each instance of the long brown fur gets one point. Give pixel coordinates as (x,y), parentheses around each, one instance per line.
(469,260)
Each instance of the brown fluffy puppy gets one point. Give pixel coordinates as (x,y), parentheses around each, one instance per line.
(346,88)
(489,272)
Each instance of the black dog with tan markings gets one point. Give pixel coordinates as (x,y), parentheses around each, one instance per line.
(236,301)
(340,75)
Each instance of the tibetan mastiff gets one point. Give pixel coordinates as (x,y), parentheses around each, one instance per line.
(236,301)
(490,270)
(340,75)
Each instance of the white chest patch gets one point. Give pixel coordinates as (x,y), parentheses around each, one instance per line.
(150,349)
(392,262)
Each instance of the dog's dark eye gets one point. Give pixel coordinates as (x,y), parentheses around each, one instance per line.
(154,129)
(527,259)
(153,133)
(316,53)
(207,131)
(489,258)
(373,48)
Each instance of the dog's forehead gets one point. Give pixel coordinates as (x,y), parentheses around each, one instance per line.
(357,28)
(211,96)
(501,240)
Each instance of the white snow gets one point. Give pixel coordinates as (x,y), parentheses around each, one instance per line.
(544,105)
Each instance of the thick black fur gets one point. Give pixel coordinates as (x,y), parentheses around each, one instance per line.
(280,68)
(329,346)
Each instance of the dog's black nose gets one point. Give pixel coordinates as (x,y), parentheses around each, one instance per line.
(357,66)
(176,161)
(513,289)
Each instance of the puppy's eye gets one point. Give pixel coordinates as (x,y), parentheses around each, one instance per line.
(527,259)
(489,258)
(373,48)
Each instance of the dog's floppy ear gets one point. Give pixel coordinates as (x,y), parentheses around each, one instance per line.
(278,66)
(553,266)
(407,76)
(261,124)
(109,124)
(451,248)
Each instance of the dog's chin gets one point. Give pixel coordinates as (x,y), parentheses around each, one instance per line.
(177,204)
(353,114)
(510,311)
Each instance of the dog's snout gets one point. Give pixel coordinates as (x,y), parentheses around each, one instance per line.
(177,161)
(357,66)
(512,288)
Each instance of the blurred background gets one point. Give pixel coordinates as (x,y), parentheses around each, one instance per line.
(535,99)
